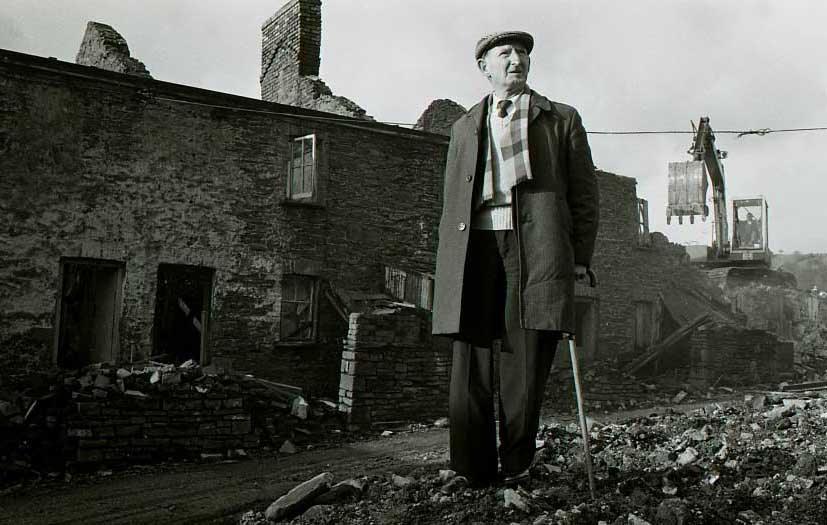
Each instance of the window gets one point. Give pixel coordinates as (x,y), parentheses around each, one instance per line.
(643,222)
(301,181)
(298,308)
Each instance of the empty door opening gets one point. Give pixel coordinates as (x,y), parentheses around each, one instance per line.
(89,311)
(182,313)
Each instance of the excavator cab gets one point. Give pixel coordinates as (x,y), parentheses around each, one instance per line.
(750,234)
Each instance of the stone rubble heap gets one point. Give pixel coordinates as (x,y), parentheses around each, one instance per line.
(763,460)
(108,415)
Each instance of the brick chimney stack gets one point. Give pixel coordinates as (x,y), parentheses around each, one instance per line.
(291,43)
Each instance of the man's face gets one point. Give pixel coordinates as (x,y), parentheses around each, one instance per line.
(506,67)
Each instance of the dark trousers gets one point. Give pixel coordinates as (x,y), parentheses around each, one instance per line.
(492,304)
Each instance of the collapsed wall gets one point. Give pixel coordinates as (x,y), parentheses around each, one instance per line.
(290,57)
(105,48)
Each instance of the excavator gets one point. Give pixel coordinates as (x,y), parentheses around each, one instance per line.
(688,184)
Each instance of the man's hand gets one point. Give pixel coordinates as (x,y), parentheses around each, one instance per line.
(580,273)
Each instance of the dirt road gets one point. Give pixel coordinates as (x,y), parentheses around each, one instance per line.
(213,493)
(219,492)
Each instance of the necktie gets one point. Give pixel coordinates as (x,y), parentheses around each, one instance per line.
(502,107)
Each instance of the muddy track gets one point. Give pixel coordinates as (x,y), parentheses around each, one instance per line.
(219,492)
(213,493)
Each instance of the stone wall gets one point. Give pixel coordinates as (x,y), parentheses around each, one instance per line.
(631,268)
(290,57)
(142,172)
(726,356)
(439,116)
(105,48)
(392,370)
(178,422)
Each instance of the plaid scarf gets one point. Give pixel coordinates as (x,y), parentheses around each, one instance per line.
(515,165)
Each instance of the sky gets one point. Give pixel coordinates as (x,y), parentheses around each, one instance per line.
(632,65)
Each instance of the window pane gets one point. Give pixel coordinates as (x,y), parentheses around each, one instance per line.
(297,153)
(296,180)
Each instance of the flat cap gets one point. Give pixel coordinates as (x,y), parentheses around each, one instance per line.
(488,41)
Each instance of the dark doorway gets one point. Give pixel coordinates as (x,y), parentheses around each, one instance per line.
(182,312)
(89,311)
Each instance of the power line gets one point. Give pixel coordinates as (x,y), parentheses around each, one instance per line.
(352,120)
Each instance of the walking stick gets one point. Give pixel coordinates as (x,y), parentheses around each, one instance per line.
(578,394)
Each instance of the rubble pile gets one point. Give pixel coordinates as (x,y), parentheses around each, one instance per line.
(104,414)
(763,460)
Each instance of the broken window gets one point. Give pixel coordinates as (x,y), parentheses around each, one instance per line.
(182,313)
(89,311)
(643,222)
(301,182)
(298,308)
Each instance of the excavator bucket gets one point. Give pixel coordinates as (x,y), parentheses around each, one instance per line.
(687,191)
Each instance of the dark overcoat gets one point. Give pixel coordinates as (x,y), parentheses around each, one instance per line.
(556,213)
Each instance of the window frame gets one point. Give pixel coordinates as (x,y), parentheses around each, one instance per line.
(313,282)
(304,195)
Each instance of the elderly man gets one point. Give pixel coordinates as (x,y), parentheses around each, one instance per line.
(518,227)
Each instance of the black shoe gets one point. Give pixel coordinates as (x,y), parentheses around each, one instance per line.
(517,480)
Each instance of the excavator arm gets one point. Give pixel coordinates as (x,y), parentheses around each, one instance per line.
(704,150)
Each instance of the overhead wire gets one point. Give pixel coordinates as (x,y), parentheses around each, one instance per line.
(352,120)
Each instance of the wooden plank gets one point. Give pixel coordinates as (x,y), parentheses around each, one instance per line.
(657,349)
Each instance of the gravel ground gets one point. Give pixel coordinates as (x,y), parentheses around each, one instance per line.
(762,460)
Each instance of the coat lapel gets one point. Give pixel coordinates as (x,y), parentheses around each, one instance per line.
(536,104)
(477,115)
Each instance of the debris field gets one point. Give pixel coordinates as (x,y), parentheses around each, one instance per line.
(763,460)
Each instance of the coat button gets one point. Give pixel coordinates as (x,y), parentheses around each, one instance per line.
(468,178)
(461,226)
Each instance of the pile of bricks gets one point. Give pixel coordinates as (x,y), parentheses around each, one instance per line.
(186,414)
(391,370)
(104,414)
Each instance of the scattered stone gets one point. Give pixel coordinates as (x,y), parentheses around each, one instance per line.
(402,481)
(343,492)
(288,448)
(102,381)
(797,403)
(299,498)
(446,475)
(454,485)
(552,469)
(672,511)
(687,456)
(749,516)
(806,465)
(317,511)
(513,499)
(299,407)
(680,396)
(634,520)
(779,411)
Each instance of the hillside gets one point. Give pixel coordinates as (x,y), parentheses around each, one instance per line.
(810,269)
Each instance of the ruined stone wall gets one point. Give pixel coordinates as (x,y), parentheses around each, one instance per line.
(439,116)
(105,166)
(392,370)
(290,57)
(722,355)
(629,270)
(105,48)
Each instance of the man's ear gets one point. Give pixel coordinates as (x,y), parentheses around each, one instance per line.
(483,67)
